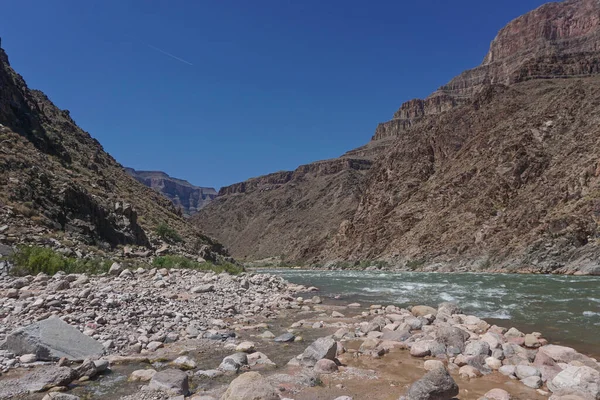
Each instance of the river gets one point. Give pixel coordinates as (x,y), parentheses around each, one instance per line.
(566,309)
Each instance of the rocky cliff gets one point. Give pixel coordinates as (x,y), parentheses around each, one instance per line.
(59,183)
(184,195)
(498,165)
(288,214)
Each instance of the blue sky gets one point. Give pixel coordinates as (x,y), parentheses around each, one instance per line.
(252,87)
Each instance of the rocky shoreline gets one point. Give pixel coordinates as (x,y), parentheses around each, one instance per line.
(184,334)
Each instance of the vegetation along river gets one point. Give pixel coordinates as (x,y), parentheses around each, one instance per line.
(566,309)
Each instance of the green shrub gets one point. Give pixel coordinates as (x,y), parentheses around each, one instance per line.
(415,264)
(186,263)
(33,260)
(166,233)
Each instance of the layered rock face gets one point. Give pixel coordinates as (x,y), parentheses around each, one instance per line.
(57,179)
(290,213)
(500,164)
(183,194)
(556,40)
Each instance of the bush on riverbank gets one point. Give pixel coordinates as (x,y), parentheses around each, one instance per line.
(33,260)
(186,263)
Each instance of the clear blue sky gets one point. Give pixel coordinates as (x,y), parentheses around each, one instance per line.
(259,86)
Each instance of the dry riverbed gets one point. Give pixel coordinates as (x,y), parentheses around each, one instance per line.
(180,334)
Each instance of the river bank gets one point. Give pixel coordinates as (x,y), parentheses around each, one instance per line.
(192,333)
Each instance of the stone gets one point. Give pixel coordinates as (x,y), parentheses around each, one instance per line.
(508,370)
(115,269)
(245,347)
(497,394)
(101,365)
(142,375)
(525,371)
(267,335)
(203,288)
(258,359)
(60,396)
(421,311)
(325,366)
(534,382)
(476,348)
(41,379)
(321,348)
(469,372)
(421,349)
(494,340)
(52,339)
(430,365)
(250,386)
(336,314)
(286,337)
(209,373)
(434,385)
(449,308)
(184,363)
(234,362)
(171,381)
(567,354)
(27,358)
(493,363)
(531,341)
(12,293)
(453,337)
(395,336)
(153,346)
(316,300)
(581,378)
(87,368)
(514,333)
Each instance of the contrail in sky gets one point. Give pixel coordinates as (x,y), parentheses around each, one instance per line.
(169,54)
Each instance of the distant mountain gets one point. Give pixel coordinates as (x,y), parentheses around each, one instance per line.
(182,193)
(498,167)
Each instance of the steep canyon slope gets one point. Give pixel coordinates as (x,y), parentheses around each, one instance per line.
(500,164)
(58,182)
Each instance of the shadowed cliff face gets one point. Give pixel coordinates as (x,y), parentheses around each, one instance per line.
(500,163)
(57,179)
(183,194)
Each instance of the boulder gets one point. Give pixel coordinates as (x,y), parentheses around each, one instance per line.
(171,381)
(434,385)
(286,337)
(141,375)
(203,288)
(525,371)
(581,378)
(468,372)
(245,347)
(115,269)
(60,396)
(476,348)
(430,365)
(566,355)
(321,348)
(250,385)
(184,363)
(453,337)
(325,366)
(534,382)
(421,311)
(43,379)
(52,339)
(497,394)
(395,336)
(258,359)
(234,362)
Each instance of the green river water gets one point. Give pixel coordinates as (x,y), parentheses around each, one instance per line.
(566,309)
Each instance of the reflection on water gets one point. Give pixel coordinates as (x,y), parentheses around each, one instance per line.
(566,309)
